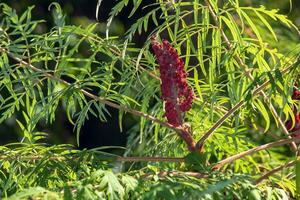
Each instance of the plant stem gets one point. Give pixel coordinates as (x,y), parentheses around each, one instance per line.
(150,159)
(275,170)
(254,150)
(114,158)
(163,174)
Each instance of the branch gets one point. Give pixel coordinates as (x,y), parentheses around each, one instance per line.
(164,174)
(113,158)
(150,159)
(254,150)
(275,170)
(220,121)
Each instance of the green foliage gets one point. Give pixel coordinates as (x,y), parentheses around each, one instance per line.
(58,171)
(229,50)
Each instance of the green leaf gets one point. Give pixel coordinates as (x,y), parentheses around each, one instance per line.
(136,5)
(197,85)
(112,185)
(144,108)
(260,106)
(266,23)
(196,161)
(253,27)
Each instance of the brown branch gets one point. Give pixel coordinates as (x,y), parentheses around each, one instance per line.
(275,170)
(248,74)
(189,140)
(254,150)
(150,159)
(164,174)
(119,159)
(31,157)
(220,121)
(113,158)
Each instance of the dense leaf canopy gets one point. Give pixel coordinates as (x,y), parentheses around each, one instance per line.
(238,65)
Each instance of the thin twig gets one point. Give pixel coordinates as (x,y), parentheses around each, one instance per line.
(150,159)
(74,157)
(254,150)
(218,124)
(275,170)
(164,174)
(18,157)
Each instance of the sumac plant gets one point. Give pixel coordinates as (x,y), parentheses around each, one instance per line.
(213,93)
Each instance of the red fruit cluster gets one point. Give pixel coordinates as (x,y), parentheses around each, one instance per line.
(296,94)
(289,123)
(175,91)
